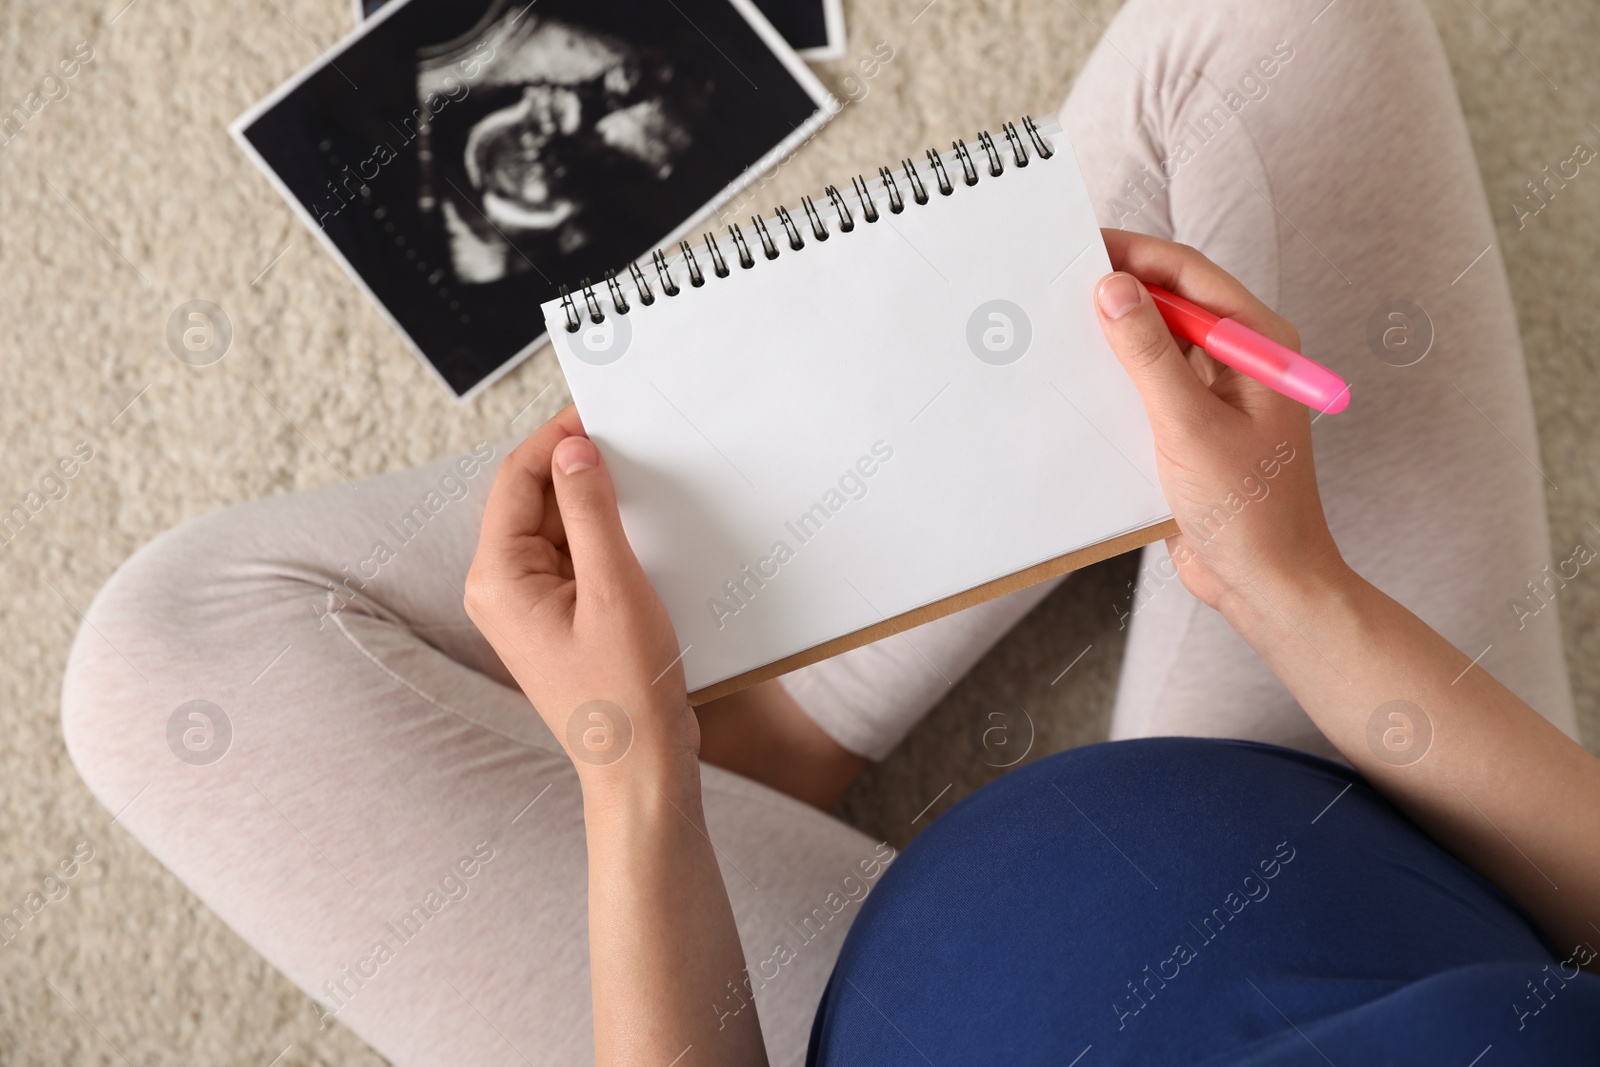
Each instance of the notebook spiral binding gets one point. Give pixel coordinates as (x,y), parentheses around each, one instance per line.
(815,220)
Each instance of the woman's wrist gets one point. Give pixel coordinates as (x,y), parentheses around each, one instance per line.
(641,786)
(1271,602)
(641,743)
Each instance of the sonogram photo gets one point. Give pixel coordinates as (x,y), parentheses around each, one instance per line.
(815,28)
(467,163)
(574,112)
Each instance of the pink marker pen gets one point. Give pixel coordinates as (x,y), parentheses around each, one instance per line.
(1248,352)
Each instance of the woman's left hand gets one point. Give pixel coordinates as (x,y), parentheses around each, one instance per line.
(558,592)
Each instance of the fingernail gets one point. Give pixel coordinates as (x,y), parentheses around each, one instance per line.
(1118,295)
(576,454)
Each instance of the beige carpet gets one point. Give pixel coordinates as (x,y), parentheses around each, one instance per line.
(126,198)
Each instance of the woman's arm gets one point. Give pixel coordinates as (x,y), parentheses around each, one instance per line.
(1482,772)
(662,943)
(1488,777)
(558,592)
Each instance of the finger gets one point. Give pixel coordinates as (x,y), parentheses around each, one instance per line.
(603,562)
(1190,274)
(1187,272)
(551,528)
(517,507)
(1172,391)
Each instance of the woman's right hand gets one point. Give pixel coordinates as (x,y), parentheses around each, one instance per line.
(1234,456)
(1476,768)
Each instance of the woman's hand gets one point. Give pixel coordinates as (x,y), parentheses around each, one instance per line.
(560,595)
(1234,456)
(1473,765)
(558,592)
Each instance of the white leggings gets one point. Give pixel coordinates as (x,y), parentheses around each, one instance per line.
(395,830)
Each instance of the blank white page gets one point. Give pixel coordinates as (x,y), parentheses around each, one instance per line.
(812,445)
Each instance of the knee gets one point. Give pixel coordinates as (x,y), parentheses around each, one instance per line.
(150,642)
(1239,46)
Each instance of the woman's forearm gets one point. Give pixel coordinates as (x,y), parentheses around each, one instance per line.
(556,589)
(1480,770)
(662,941)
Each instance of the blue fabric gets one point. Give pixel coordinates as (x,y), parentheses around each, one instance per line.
(1194,901)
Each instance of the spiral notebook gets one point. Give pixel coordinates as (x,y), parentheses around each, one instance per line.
(887,403)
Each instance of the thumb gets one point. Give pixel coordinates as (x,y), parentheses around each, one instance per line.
(602,559)
(1172,393)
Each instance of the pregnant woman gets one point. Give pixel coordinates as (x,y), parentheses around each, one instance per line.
(498,835)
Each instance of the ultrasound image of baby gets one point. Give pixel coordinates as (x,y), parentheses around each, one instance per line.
(562,114)
(467,159)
